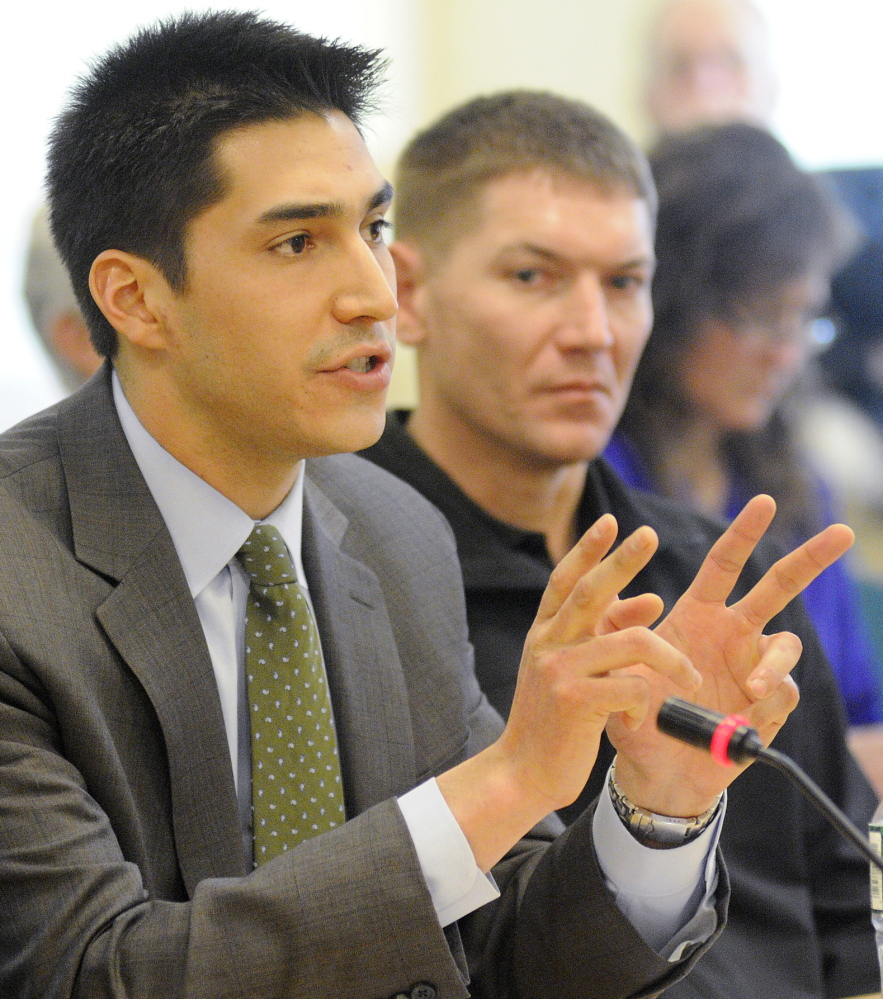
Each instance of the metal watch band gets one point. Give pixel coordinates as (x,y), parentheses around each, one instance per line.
(662,832)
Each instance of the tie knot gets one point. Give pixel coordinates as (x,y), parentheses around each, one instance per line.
(265,557)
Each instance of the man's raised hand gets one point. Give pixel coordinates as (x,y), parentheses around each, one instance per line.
(742,669)
(572,678)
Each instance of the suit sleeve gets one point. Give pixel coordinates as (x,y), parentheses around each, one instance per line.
(327,919)
(556,932)
(93,897)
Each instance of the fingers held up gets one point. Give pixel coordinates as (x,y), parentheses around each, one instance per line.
(585,583)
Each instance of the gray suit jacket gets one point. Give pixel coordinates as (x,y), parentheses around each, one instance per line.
(121,867)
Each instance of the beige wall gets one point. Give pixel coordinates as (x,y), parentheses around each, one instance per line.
(589,49)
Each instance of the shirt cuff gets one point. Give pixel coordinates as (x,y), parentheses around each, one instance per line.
(667,895)
(456,884)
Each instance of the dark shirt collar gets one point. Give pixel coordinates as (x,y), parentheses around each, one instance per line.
(493,553)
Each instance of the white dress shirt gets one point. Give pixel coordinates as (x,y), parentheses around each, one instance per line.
(667,894)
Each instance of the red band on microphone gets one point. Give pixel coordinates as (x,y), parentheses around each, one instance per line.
(720,741)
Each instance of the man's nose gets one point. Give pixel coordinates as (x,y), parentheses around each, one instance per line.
(366,287)
(584,321)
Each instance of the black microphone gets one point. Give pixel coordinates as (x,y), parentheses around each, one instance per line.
(731,739)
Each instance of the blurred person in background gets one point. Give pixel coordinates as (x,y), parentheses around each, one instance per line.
(746,245)
(708,61)
(54,311)
(26,383)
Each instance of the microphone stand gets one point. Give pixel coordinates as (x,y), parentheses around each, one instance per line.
(702,728)
(784,764)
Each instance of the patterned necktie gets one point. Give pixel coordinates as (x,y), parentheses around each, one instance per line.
(296,791)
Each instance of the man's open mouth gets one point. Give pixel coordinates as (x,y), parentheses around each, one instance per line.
(362,365)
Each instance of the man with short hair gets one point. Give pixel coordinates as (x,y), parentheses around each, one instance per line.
(242,748)
(524,255)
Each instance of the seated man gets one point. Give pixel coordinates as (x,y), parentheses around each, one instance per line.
(524,255)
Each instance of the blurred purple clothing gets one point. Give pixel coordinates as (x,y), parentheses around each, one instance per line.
(832,599)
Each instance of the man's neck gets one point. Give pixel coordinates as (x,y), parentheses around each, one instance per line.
(257,485)
(540,497)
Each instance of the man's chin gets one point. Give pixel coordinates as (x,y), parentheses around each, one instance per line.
(577,431)
(571,445)
(563,454)
(361,432)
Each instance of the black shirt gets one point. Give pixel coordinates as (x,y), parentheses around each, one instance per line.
(799,922)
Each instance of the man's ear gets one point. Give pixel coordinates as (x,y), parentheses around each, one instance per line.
(131,293)
(410,281)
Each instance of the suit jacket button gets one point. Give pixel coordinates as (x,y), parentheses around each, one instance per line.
(423,990)
(400,995)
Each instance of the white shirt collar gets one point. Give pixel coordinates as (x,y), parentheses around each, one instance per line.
(207,528)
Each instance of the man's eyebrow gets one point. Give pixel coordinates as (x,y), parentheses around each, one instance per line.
(382,197)
(294,212)
(538,251)
(546,254)
(637,264)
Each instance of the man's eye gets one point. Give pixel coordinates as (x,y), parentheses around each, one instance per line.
(294,245)
(378,230)
(627,282)
(527,275)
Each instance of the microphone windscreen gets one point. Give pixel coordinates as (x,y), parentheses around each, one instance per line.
(729,738)
(688,722)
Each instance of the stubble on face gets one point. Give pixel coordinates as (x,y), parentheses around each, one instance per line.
(535,320)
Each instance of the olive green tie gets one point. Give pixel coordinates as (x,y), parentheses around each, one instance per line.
(296,791)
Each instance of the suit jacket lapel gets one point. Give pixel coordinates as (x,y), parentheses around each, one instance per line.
(150,618)
(369,695)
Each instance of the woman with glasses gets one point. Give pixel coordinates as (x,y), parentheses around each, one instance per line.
(746,246)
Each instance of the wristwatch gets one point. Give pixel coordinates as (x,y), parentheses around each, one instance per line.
(659,832)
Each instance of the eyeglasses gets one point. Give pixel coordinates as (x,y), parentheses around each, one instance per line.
(783,325)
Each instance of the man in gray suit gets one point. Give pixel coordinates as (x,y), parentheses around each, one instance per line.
(223,225)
